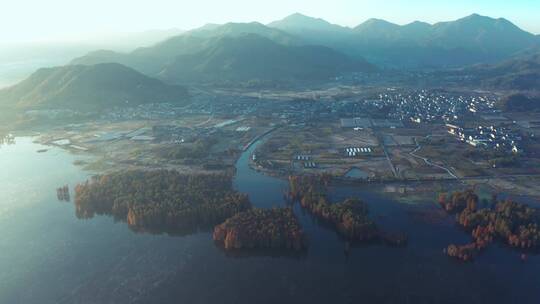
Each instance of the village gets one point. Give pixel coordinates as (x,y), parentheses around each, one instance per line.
(365,134)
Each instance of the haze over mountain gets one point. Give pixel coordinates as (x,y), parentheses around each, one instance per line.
(188,43)
(19,60)
(237,51)
(235,29)
(251,56)
(473,39)
(89,88)
(312,30)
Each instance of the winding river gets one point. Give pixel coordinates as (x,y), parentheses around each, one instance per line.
(47,255)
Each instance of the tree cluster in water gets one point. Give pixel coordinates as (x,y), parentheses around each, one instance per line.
(161,200)
(6,139)
(261,228)
(350,217)
(62,193)
(169,201)
(510,222)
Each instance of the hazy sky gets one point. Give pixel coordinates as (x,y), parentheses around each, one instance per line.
(25,20)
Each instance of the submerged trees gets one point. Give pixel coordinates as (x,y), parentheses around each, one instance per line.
(168,201)
(160,200)
(276,228)
(515,224)
(349,218)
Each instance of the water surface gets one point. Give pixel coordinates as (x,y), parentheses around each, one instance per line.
(47,255)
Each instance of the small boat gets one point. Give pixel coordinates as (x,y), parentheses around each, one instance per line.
(42,151)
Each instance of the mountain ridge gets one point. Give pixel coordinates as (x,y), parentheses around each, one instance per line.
(174,53)
(521,72)
(461,42)
(251,56)
(473,39)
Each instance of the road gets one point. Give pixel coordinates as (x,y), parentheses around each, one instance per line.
(381,141)
(428,162)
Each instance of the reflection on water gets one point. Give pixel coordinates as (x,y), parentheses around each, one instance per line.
(264,253)
(49,256)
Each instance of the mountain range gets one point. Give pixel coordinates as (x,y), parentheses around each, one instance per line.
(250,56)
(234,51)
(492,52)
(88,88)
(471,40)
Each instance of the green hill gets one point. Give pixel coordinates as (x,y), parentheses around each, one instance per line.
(520,103)
(88,88)
(521,72)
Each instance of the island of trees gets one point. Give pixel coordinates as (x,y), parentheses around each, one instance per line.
(349,218)
(276,228)
(506,221)
(161,200)
(167,201)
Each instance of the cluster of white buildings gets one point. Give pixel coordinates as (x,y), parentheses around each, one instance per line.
(310,165)
(352,152)
(498,138)
(306,161)
(303,157)
(425,106)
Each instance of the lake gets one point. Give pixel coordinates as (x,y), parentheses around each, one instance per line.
(47,255)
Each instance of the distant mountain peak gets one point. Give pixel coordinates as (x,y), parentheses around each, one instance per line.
(209,27)
(417,23)
(298,16)
(475,15)
(376,23)
(298,21)
(302,17)
(476,19)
